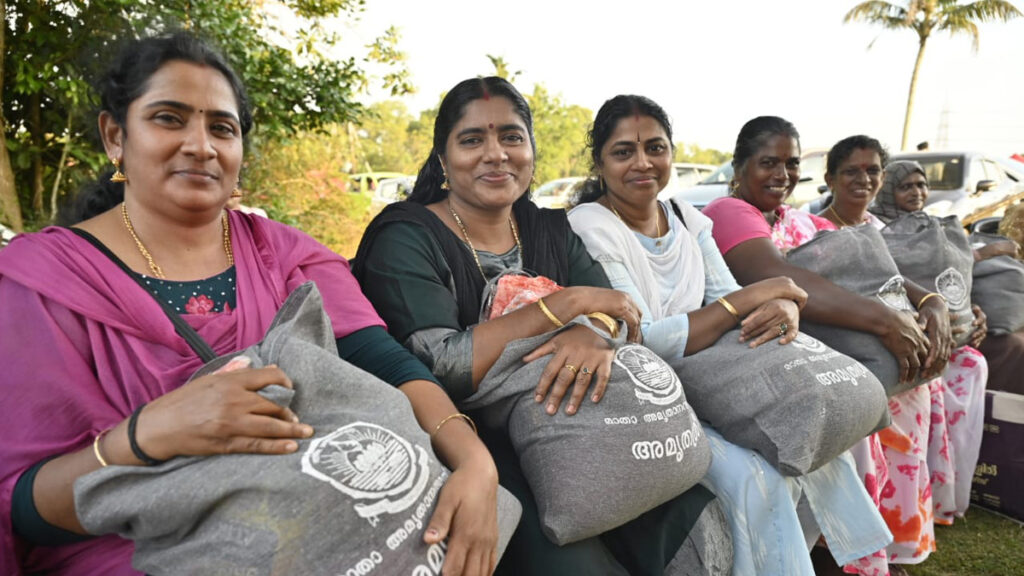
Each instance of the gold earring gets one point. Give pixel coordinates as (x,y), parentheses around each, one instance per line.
(444,185)
(118,176)
(235,192)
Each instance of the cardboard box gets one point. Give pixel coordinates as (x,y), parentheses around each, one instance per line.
(1000,470)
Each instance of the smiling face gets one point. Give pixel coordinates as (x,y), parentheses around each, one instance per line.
(857,179)
(488,157)
(911,193)
(636,160)
(181,143)
(771,174)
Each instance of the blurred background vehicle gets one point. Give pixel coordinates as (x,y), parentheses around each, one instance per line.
(716,185)
(690,174)
(556,193)
(968,184)
(366,182)
(6,235)
(393,189)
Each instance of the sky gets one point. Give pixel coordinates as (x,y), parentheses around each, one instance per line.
(713,65)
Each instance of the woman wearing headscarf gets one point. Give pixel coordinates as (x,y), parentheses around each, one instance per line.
(903,192)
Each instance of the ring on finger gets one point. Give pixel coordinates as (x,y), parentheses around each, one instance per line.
(783,328)
(585,371)
(570,368)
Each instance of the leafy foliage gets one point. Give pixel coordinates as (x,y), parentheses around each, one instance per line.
(53,50)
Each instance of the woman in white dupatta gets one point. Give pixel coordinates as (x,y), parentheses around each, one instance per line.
(688,297)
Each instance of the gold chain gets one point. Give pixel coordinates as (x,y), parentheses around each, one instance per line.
(832,208)
(657,221)
(153,267)
(465,235)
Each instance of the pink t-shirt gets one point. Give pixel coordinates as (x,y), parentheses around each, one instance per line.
(735,222)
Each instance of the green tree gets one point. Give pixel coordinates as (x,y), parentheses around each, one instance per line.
(560,130)
(501,68)
(697,155)
(391,139)
(925,17)
(52,50)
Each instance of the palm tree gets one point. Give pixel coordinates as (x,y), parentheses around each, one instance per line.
(925,17)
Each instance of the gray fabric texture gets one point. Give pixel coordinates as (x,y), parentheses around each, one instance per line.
(707,551)
(999,288)
(935,254)
(798,405)
(857,259)
(353,499)
(639,447)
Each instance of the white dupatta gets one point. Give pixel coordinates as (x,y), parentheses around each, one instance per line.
(680,266)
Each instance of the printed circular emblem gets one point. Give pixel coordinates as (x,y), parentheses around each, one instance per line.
(369,463)
(809,344)
(893,295)
(953,287)
(653,379)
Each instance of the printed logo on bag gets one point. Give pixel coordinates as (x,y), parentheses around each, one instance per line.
(809,344)
(893,295)
(654,381)
(371,464)
(953,287)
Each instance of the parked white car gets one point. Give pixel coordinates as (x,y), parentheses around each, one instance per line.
(556,193)
(716,185)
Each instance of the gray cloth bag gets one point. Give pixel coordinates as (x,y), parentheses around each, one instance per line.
(353,499)
(999,288)
(798,405)
(639,447)
(857,259)
(935,254)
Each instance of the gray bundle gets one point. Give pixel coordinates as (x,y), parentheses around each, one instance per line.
(798,405)
(610,462)
(999,288)
(357,497)
(935,254)
(856,258)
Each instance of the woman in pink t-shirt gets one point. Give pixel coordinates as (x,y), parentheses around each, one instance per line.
(754,229)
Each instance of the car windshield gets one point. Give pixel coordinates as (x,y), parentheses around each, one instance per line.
(943,172)
(720,176)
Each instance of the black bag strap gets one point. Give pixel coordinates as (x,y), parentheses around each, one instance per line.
(678,211)
(192,338)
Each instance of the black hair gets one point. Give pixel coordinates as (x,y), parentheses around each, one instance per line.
(842,150)
(755,134)
(607,119)
(124,81)
(453,107)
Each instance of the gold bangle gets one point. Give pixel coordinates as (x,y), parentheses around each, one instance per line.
(729,308)
(613,326)
(451,417)
(927,296)
(96,448)
(547,312)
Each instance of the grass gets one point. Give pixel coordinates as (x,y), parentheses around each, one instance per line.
(982,544)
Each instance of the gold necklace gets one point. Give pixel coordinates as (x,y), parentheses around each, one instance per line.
(832,208)
(657,223)
(153,267)
(465,236)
